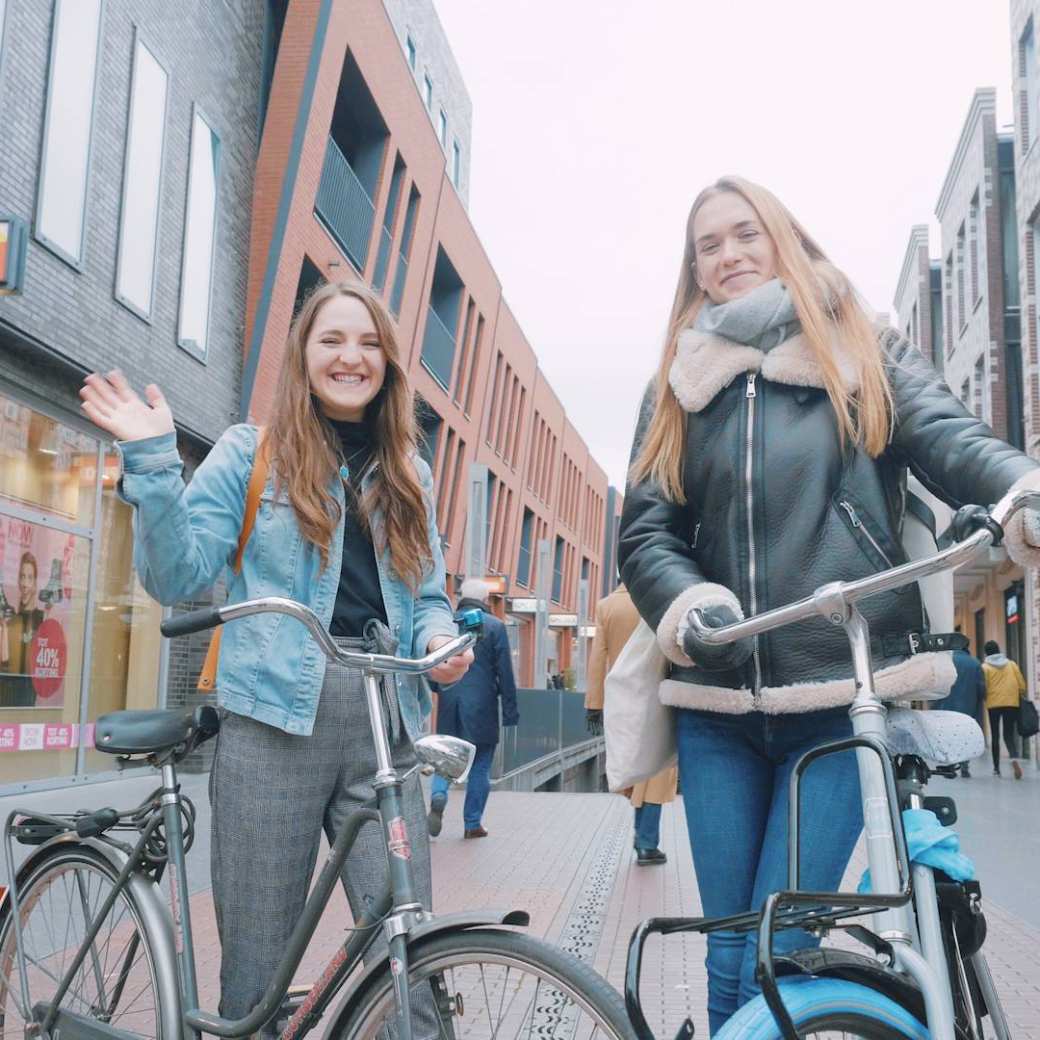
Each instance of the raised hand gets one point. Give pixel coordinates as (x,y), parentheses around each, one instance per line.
(109,402)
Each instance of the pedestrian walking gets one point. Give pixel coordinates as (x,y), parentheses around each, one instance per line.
(1005,688)
(344,524)
(616,619)
(469,709)
(769,459)
(968,693)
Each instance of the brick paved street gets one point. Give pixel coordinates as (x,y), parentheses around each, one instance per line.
(567,860)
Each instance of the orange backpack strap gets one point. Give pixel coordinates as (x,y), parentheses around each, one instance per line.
(257,480)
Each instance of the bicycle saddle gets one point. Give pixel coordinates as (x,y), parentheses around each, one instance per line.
(147,732)
(943,737)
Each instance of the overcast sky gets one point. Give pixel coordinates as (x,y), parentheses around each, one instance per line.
(596,123)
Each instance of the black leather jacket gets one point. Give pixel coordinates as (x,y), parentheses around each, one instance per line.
(775,509)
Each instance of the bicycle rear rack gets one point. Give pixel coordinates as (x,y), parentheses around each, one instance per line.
(789,909)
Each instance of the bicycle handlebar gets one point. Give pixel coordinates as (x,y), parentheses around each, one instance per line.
(833,599)
(383,664)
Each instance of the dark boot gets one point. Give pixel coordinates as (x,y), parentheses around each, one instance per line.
(650,857)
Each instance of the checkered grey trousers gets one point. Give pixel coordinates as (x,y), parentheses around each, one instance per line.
(272,794)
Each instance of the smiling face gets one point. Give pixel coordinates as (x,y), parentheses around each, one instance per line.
(346,365)
(734,253)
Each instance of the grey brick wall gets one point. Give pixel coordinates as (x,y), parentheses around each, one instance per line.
(212,54)
(418,19)
(68,321)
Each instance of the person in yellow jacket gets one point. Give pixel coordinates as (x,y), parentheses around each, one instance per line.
(1005,688)
(616,619)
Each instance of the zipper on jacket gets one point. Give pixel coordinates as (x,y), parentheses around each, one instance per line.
(860,526)
(751,395)
(696,535)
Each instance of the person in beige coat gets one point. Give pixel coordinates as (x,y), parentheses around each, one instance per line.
(616,619)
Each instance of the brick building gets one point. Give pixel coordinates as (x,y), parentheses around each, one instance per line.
(130,135)
(180,182)
(353,180)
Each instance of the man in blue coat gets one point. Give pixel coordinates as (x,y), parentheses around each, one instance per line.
(469,709)
(968,693)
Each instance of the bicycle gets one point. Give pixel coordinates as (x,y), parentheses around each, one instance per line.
(89,950)
(925,977)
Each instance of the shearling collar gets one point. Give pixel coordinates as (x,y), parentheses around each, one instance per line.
(705,365)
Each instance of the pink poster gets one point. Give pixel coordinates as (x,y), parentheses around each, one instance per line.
(35,605)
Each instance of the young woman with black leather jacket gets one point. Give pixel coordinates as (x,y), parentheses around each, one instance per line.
(770,458)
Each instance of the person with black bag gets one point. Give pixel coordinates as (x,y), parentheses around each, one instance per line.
(1005,692)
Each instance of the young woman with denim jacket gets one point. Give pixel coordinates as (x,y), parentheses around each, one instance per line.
(345,525)
(771,458)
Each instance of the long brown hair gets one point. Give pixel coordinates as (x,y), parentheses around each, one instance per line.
(303,446)
(827,307)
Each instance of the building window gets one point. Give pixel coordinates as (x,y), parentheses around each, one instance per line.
(200,226)
(936,316)
(962,310)
(386,235)
(1027,67)
(429,428)
(978,401)
(3,8)
(62,200)
(66,583)
(442,128)
(442,321)
(973,232)
(966,393)
(456,164)
(557,584)
(142,179)
(428,91)
(409,47)
(407,234)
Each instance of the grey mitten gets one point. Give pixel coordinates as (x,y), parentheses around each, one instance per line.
(711,657)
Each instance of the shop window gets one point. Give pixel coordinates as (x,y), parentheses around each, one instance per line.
(62,201)
(200,225)
(78,636)
(142,178)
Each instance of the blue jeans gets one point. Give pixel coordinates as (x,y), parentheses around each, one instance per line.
(735,771)
(648,826)
(478,786)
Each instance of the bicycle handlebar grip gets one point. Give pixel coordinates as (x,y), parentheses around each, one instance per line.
(193,621)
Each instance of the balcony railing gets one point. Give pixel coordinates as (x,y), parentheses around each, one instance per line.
(344,207)
(438,349)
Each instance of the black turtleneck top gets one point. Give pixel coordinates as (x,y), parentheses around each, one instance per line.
(360,596)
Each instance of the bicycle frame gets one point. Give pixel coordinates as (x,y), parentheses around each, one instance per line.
(897,885)
(397,909)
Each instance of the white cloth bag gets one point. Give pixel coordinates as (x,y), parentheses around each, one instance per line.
(639,730)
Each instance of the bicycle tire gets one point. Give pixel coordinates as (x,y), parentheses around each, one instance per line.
(824,1008)
(117,982)
(576,1001)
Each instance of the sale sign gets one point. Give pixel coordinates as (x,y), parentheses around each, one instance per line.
(36,595)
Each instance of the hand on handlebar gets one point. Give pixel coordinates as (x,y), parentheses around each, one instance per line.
(710,657)
(452,670)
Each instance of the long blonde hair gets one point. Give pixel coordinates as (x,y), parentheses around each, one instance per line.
(827,308)
(303,446)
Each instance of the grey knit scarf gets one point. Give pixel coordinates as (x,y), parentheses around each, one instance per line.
(762,318)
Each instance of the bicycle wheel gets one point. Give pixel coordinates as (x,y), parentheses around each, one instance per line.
(826,1009)
(58,900)
(499,984)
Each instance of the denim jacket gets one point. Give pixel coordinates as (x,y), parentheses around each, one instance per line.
(185,536)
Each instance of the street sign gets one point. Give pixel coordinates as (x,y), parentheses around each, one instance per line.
(563,620)
(522,606)
(13,238)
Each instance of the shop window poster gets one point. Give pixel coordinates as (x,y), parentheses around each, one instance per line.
(35,605)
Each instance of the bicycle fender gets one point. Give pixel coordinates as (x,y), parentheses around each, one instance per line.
(830,963)
(155,917)
(429,927)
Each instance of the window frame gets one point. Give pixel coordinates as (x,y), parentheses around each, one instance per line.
(185,345)
(140,40)
(409,51)
(76,262)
